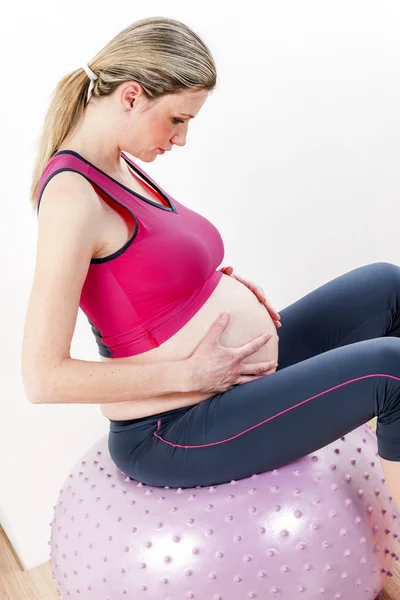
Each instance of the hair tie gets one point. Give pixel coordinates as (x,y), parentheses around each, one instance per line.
(92,76)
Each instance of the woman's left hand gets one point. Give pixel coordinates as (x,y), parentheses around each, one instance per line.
(258,291)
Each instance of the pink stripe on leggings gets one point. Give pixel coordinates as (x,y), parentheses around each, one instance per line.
(273,416)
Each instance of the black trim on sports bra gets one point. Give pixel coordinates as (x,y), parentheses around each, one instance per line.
(136,194)
(128,243)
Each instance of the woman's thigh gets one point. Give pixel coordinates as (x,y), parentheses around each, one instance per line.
(276,419)
(335,372)
(359,305)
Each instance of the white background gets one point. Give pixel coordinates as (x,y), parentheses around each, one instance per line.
(294,157)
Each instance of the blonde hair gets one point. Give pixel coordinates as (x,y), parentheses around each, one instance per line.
(164,55)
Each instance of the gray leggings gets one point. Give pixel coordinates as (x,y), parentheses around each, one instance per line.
(339,366)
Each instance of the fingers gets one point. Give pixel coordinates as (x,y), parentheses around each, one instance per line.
(248,378)
(254,345)
(258,368)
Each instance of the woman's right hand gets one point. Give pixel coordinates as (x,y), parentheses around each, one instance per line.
(215,368)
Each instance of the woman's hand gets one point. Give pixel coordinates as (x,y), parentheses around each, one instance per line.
(258,291)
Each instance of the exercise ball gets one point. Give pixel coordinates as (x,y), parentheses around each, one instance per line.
(323,527)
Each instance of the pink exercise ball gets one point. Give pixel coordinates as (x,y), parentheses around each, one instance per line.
(323,527)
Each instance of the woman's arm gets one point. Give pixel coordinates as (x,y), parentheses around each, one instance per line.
(76,381)
(69,234)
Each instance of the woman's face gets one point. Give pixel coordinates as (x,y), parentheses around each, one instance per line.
(154,126)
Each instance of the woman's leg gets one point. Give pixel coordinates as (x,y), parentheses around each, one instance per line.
(362,304)
(327,384)
(359,305)
(275,420)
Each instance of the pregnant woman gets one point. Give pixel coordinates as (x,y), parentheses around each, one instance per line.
(192,399)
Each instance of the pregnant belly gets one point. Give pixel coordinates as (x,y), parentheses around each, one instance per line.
(248,319)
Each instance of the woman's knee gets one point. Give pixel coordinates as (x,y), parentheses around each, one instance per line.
(386,275)
(388,354)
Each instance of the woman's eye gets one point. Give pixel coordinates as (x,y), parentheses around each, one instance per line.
(176,121)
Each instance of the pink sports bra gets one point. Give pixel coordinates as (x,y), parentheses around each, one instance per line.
(139,296)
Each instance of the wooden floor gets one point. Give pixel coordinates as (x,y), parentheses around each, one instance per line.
(38,584)
(16,584)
